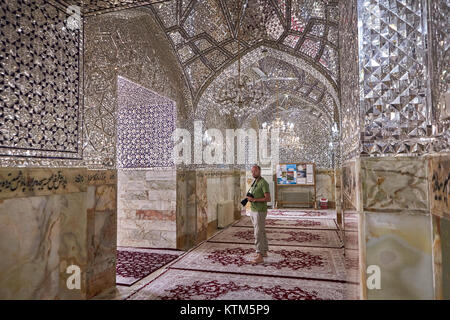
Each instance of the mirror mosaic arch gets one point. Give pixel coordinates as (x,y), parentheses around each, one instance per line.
(315,137)
(311,84)
(306,29)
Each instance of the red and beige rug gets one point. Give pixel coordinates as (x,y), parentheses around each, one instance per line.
(176,284)
(290,237)
(298,213)
(325,224)
(313,263)
(352,265)
(351,215)
(351,224)
(133,264)
(351,240)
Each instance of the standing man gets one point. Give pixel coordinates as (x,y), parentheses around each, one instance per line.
(261,193)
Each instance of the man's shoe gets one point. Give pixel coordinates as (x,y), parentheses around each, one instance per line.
(258,259)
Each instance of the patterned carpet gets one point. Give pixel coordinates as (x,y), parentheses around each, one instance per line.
(194,285)
(291,237)
(301,262)
(296,213)
(133,264)
(325,224)
(351,224)
(351,240)
(352,265)
(305,262)
(351,215)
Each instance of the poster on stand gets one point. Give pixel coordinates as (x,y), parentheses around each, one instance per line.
(281,174)
(295,174)
(309,174)
(291,173)
(301,174)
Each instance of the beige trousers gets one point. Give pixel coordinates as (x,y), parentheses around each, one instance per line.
(259,227)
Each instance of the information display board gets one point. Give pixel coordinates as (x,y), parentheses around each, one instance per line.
(295,174)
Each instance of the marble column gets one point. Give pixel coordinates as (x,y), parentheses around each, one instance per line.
(147,208)
(101,209)
(396,227)
(186,211)
(337,196)
(51,219)
(439,189)
(201,202)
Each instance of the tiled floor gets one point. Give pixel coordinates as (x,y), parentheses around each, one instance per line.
(223,270)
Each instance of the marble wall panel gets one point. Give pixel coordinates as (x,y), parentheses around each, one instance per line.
(338,195)
(44,234)
(401,246)
(219,189)
(238,193)
(198,193)
(395,185)
(349,182)
(222,186)
(101,203)
(187,211)
(439,185)
(28,182)
(445,248)
(41,236)
(201,202)
(325,187)
(147,205)
(36,246)
(441,257)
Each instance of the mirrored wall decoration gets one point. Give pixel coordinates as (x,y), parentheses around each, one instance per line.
(440,69)
(269,68)
(127,43)
(349,73)
(93,7)
(40,81)
(393,77)
(145,124)
(307,29)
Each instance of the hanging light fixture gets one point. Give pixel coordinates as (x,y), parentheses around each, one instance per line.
(286,130)
(280,125)
(240,95)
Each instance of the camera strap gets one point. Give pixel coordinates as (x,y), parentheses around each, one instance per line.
(251,185)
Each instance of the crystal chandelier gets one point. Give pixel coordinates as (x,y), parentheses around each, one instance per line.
(289,141)
(240,95)
(286,130)
(283,127)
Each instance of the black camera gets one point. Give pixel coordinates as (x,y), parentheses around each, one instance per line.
(244,202)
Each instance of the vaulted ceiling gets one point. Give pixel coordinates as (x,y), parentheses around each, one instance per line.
(205,34)
(288,83)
